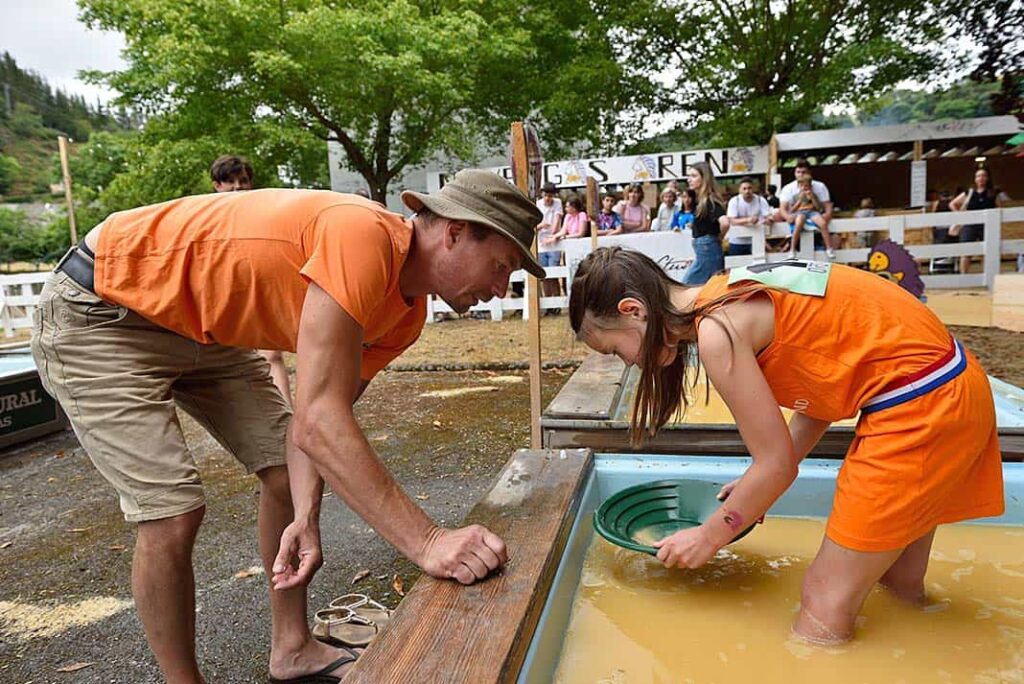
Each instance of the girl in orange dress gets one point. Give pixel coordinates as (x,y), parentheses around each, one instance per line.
(827,341)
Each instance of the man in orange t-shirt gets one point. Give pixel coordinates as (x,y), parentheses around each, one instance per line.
(164,305)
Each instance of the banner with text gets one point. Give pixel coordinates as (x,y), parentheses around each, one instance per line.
(673,251)
(640,168)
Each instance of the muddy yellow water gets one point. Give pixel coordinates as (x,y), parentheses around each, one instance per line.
(634,622)
(707,407)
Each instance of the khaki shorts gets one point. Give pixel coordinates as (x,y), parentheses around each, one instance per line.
(120,378)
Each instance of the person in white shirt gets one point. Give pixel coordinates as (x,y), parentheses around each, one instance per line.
(674,186)
(803,220)
(550,253)
(747,211)
(666,210)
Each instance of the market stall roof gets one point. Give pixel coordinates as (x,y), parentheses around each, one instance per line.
(903,133)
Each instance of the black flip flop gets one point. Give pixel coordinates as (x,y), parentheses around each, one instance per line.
(322,677)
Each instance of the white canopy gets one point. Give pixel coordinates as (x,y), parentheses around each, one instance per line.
(903,133)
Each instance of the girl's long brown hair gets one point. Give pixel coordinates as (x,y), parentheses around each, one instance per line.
(610,274)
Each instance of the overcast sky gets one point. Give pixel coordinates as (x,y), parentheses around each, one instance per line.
(45,36)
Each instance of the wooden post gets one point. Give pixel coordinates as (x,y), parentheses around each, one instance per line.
(773,160)
(62,144)
(918,150)
(593,207)
(520,166)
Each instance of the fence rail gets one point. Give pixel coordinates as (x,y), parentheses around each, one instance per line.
(680,253)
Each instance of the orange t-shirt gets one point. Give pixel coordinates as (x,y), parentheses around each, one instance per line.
(831,354)
(233,268)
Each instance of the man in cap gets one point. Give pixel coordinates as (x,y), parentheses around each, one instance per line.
(164,305)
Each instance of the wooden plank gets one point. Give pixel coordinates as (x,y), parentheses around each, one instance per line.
(712,440)
(592,392)
(444,632)
(1008,301)
(689,440)
(593,207)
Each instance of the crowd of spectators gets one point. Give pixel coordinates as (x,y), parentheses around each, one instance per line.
(724,219)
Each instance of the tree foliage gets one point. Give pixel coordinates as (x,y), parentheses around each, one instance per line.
(39,105)
(748,69)
(22,240)
(997,27)
(9,170)
(395,82)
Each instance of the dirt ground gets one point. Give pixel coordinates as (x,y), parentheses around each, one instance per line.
(65,552)
(1001,352)
(468,341)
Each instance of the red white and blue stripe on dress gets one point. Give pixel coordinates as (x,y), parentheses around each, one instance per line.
(923,381)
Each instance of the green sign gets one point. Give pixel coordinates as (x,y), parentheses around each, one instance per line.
(24,404)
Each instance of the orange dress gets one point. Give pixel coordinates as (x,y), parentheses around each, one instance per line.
(926,450)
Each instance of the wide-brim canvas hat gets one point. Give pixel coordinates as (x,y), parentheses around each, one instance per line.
(484,198)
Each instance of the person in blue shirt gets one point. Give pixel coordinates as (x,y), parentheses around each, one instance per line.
(684,217)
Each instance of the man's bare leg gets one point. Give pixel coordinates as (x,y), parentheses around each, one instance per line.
(293,650)
(279,373)
(831,242)
(794,240)
(163,585)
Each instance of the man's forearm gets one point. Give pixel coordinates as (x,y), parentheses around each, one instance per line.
(353,471)
(305,483)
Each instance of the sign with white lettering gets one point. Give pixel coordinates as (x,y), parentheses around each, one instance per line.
(918,183)
(673,251)
(24,404)
(640,168)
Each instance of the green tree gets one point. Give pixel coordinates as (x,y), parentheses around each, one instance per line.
(963,100)
(997,28)
(748,69)
(395,82)
(97,162)
(9,170)
(26,121)
(21,240)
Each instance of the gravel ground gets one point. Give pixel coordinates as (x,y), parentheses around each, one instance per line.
(66,551)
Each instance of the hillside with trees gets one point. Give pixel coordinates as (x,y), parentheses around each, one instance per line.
(32,115)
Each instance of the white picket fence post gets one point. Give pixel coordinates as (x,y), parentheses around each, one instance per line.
(993,245)
(5,313)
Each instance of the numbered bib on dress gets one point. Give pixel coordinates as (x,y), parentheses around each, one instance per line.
(801,277)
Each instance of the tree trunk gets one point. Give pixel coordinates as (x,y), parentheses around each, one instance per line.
(378,188)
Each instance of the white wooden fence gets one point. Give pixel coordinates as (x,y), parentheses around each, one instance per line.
(675,251)
(18,296)
(19,293)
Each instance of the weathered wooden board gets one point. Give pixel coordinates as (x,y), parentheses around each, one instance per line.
(592,392)
(444,632)
(1008,302)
